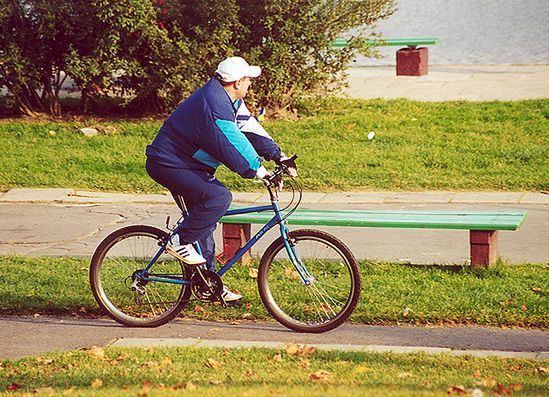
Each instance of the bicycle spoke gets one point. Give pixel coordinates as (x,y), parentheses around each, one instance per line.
(332,292)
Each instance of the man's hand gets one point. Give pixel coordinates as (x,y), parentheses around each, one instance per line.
(289,164)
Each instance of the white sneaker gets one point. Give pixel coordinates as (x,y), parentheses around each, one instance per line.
(229,296)
(185,253)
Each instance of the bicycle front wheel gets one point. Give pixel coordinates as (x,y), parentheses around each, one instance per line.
(317,296)
(118,288)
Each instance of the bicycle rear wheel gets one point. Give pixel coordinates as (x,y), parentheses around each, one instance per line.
(331,293)
(114,271)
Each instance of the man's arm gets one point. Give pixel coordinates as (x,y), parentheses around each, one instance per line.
(262,142)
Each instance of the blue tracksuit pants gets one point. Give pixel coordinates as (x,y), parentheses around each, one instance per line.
(206,200)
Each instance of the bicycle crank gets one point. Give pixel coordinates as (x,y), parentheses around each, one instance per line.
(206,286)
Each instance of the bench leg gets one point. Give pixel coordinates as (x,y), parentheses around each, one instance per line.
(235,235)
(412,61)
(484,247)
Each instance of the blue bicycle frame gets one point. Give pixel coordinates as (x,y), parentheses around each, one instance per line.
(276,219)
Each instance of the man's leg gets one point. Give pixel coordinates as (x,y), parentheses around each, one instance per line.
(206,200)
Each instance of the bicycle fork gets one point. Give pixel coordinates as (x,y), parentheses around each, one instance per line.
(290,245)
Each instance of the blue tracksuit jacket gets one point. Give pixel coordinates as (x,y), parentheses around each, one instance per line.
(208,130)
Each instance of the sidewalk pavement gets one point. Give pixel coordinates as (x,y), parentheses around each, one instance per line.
(75,196)
(451,83)
(68,222)
(22,336)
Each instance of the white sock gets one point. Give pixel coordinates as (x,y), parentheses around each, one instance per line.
(175,239)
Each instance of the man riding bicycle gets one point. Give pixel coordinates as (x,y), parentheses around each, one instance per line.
(211,127)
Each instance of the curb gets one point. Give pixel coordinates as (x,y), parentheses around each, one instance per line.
(72,196)
(235,344)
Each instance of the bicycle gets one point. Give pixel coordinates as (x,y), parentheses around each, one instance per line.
(138,284)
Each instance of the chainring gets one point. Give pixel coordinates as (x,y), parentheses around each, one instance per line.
(206,285)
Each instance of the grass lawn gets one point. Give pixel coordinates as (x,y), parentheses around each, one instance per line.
(503,295)
(264,372)
(418,146)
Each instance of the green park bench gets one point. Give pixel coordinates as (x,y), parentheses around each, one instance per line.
(483,226)
(410,61)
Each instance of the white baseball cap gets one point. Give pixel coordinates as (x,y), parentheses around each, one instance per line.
(235,68)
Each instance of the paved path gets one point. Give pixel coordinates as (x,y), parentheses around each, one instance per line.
(452,83)
(51,222)
(23,336)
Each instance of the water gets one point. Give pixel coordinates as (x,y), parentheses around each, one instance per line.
(471,31)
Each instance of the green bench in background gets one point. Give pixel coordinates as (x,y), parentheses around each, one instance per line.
(483,226)
(410,61)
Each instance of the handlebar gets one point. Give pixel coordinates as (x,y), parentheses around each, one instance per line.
(280,169)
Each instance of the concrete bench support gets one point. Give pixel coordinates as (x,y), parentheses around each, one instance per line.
(236,235)
(412,61)
(484,247)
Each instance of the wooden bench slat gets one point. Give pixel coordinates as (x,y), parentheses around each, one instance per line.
(498,220)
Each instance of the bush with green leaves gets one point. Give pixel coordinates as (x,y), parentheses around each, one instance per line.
(156,52)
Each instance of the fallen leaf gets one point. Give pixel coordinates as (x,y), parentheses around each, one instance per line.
(427,384)
(361,369)
(247,316)
(516,368)
(292,273)
(215,382)
(292,349)
(13,387)
(476,373)
(523,308)
(507,302)
(190,386)
(199,309)
(97,383)
(304,364)
(307,351)
(320,376)
(48,390)
(501,390)
(211,363)
(252,272)
(249,373)
(166,361)
(122,356)
(541,371)
(326,308)
(489,382)
(147,384)
(277,357)
(515,386)
(459,389)
(52,133)
(97,353)
(47,361)
(537,289)
(404,375)
(406,312)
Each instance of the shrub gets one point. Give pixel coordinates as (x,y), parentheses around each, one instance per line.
(156,52)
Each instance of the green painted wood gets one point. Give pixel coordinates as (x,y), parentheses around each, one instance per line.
(411,42)
(493,220)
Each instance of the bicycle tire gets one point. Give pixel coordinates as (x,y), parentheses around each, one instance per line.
(332,295)
(113,264)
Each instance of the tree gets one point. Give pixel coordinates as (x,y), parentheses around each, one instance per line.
(291,40)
